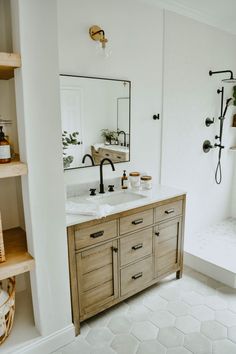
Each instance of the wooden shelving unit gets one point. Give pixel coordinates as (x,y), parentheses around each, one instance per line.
(18,260)
(13,169)
(8,62)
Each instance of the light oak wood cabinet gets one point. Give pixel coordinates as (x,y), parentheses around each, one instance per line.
(115,257)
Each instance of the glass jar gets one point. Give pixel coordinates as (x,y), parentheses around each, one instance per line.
(134,179)
(146,182)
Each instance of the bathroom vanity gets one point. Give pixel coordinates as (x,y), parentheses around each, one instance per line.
(114,257)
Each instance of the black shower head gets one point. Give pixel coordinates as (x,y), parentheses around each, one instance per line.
(230,80)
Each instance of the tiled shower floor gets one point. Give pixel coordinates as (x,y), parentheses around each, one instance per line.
(216,245)
(195,314)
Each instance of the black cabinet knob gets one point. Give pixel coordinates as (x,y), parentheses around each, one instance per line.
(156,116)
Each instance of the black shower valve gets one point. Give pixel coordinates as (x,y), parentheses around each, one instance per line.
(209,121)
(207,146)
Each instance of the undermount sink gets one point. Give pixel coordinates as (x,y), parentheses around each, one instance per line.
(116,198)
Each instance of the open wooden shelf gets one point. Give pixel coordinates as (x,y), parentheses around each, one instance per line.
(18,260)
(8,62)
(13,169)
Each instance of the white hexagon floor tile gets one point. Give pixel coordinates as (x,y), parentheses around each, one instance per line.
(151,347)
(178,308)
(155,302)
(170,337)
(197,343)
(162,318)
(124,344)
(100,349)
(138,312)
(170,294)
(179,350)
(187,324)
(215,302)
(232,334)
(226,317)
(119,324)
(224,347)
(99,336)
(213,330)
(144,330)
(77,346)
(202,313)
(232,305)
(193,298)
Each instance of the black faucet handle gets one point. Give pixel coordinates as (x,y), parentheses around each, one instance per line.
(111,188)
(92,191)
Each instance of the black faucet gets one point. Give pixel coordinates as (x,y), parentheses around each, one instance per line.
(101,173)
(90,157)
(122,132)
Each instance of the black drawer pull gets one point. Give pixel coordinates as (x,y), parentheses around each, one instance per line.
(115,249)
(118,157)
(170,211)
(97,234)
(137,247)
(138,221)
(138,275)
(157,234)
(107,154)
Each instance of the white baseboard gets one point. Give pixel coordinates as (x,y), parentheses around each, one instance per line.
(48,344)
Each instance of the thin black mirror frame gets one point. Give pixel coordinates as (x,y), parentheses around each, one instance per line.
(109,79)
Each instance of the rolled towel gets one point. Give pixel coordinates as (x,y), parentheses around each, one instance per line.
(88,209)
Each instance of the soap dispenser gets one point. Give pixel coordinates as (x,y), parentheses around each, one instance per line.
(124,181)
(5,151)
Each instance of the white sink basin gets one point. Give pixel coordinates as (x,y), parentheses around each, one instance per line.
(116,198)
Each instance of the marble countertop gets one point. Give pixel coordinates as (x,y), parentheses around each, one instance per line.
(156,194)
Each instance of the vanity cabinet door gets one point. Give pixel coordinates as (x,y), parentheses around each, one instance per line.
(97,277)
(167,246)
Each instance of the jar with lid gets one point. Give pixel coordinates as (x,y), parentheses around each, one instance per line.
(146,182)
(134,179)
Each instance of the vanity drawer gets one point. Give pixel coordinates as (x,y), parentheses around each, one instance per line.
(135,246)
(91,235)
(167,211)
(136,276)
(136,221)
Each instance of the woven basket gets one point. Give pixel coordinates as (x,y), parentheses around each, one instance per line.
(7,308)
(2,250)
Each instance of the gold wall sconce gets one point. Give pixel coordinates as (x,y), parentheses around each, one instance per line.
(98,34)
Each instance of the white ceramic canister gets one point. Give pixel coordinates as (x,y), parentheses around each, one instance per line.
(146,182)
(134,179)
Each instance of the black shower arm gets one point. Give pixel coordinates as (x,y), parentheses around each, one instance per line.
(222,72)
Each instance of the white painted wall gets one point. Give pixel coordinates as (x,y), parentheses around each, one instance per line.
(38,112)
(134,31)
(191,50)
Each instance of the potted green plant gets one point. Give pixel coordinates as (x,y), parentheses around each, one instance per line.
(110,136)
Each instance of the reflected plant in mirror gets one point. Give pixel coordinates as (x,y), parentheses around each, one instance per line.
(67,141)
(99,109)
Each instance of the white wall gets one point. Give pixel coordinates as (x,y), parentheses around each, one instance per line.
(134,31)
(191,50)
(38,113)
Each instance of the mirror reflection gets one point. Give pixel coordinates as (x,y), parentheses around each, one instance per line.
(95,114)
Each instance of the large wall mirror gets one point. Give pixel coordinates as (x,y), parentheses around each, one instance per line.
(95,114)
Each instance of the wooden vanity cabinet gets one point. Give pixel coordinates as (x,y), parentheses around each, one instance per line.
(115,257)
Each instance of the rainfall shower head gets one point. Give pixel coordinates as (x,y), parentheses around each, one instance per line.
(231,80)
